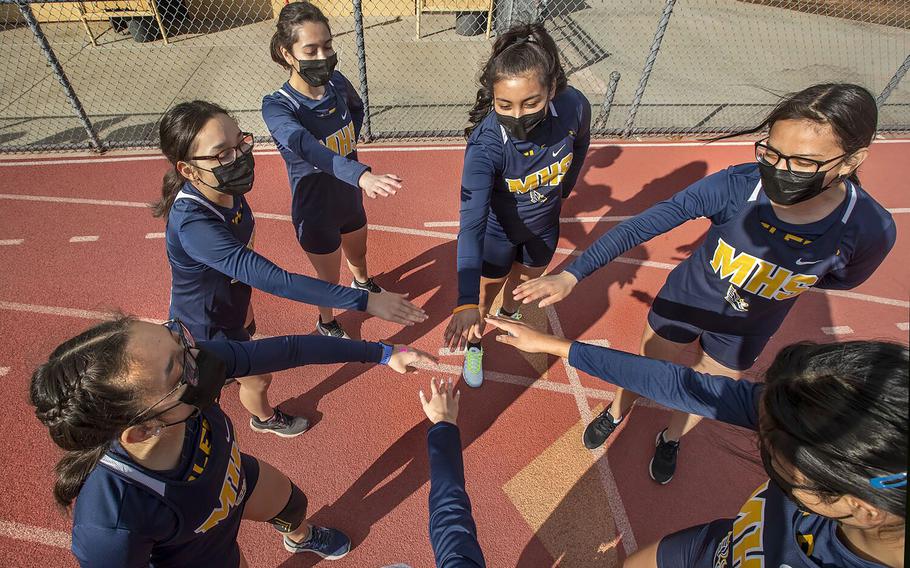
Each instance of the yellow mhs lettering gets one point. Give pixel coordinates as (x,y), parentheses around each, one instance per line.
(758,276)
(747,549)
(342,142)
(549,176)
(230,491)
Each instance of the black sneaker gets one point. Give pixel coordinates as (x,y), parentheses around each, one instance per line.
(599,430)
(369,286)
(663,464)
(331,329)
(281,424)
(330,544)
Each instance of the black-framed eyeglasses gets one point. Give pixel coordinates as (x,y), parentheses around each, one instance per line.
(189,374)
(796,165)
(227,156)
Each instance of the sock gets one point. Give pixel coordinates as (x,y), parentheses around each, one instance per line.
(473,344)
(506,313)
(267,420)
(616,420)
(364,283)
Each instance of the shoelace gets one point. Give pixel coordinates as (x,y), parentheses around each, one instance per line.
(604,424)
(369,285)
(334,329)
(319,538)
(280,419)
(666,450)
(474,360)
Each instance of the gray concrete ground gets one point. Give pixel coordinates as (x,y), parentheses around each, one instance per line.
(719,66)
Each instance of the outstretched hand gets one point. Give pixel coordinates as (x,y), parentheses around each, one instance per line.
(527,339)
(548,289)
(405,358)
(443,404)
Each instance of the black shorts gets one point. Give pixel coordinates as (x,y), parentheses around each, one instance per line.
(737,352)
(251,471)
(500,252)
(323,209)
(696,547)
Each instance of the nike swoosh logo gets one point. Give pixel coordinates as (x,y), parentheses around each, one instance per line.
(801,262)
(345,115)
(556,153)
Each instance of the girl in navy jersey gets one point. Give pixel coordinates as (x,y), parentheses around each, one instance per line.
(527,142)
(152,461)
(209,241)
(315,119)
(832,433)
(794,219)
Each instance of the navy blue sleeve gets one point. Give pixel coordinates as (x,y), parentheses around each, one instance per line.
(211,243)
(580,149)
(355,104)
(477,179)
(674,386)
(879,240)
(98,547)
(245,358)
(708,197)
(286,129)
(453,533)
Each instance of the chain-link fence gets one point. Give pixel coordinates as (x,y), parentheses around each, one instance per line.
(101,74)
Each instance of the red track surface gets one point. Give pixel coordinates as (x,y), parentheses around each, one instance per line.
(539,497)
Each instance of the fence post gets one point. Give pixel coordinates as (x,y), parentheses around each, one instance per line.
(893,83)
(52,60)
(366,133)
(649,64)
(604,114)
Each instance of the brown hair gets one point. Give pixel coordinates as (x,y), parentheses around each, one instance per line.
(291,17)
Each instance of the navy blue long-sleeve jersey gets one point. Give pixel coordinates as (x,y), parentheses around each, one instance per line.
(213,268)
(769,530)
(516,188)
(129,516)
(453,533)
(317,135)
(752,266)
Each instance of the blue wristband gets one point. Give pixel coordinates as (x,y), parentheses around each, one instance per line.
(386,353)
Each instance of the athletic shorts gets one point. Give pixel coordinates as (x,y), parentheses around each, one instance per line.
(737,352)
(239,334)
(702,546)
(500,252)
(323,209)
(251,471)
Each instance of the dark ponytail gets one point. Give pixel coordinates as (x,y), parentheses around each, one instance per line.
(81,395)
(838,413)
(291,17)
(849,110)
(527,48)
(177,130)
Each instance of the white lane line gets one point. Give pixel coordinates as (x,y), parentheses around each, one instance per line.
(154,235)
(378,149)
(84,239)
(11,242)
(452,236)
(620,517)
(77,200)
(4,371)
(446,352)
(904,326)
(67,312)
(518,380)
(29,533)
(598,342)
(838,330)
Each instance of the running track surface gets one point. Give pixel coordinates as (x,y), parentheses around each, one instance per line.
(539,498)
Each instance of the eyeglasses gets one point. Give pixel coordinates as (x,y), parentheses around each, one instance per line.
(227,156)
(796,165)
(189,374)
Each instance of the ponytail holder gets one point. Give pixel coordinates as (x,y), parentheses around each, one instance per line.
(889,481)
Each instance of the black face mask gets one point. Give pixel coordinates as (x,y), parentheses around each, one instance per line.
(235,178)
(317,72)
(519,128)
(784,188)
(211,375)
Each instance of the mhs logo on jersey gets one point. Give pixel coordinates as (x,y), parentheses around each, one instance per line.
(550,176)
(757,276)
(232,491)
(342,142)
